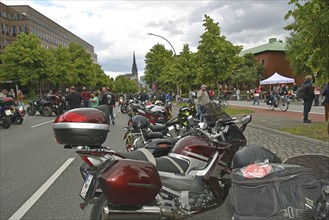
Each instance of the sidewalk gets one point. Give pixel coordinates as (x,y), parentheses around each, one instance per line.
(273,121)
(263,118)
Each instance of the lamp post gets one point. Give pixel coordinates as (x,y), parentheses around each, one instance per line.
(178,90)
(165,40)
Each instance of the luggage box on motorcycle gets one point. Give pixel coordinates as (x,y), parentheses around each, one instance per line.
(81,127)
(130,182)
(6,101)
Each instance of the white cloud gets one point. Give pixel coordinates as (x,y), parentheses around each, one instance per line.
(116,29)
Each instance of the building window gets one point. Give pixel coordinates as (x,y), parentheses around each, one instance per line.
(14,31)
(262,61)
(26,29)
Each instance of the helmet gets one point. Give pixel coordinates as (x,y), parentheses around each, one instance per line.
(183,114)
(140,122)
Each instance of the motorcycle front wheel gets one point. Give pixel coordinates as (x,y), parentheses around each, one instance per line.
(124,109)
(5,121)
(47,111)
(284,105)
(97,210)
(31,111)
(17,120)
(271,106)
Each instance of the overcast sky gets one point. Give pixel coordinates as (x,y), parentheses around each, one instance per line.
(116,29)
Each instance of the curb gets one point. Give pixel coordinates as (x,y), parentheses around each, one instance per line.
(322,143)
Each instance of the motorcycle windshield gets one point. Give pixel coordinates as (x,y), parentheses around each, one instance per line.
(214,112)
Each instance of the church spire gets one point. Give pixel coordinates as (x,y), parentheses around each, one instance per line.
(134,70)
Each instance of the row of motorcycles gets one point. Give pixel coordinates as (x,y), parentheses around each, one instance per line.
(171,170)
(173,167)
(10,113)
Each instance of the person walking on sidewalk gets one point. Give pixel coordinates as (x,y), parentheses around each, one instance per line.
(308,98)
(325,94)
(203,98)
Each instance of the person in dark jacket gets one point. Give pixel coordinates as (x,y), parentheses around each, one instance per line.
(309,96)
(73,99)
(325,94)
(108,99)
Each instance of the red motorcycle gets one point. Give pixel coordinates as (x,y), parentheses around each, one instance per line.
(155,113)
(190,180)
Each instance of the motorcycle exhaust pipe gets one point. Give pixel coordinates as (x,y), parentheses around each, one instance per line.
(146,212)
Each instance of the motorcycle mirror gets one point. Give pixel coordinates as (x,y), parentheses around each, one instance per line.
(245,119)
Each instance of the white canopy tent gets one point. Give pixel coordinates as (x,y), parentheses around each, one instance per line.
(276,78)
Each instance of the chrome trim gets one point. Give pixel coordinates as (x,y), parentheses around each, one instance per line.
(78,125)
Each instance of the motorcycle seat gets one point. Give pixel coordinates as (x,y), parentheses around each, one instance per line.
(148,136)
(164,164)
(251,154)
(157,127)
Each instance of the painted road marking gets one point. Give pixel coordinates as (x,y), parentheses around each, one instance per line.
(34,198)
(47,122)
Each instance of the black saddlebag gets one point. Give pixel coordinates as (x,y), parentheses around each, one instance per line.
(277,191)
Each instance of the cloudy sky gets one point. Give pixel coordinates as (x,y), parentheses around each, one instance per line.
(116,29)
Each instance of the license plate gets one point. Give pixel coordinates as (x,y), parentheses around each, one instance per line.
(86,185)
(8,112)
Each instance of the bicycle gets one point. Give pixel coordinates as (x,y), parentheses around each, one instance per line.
(282,101)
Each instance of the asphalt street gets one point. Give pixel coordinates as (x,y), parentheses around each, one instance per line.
(30,156)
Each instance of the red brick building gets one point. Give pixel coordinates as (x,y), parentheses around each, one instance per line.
(272,55)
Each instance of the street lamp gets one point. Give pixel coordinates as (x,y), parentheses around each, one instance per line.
(165,40)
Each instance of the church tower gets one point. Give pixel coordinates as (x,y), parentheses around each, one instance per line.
(134,70)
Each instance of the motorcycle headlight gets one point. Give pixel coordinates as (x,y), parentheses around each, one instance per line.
(20,108)
(35,103)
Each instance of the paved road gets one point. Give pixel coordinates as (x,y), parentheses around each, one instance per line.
(29,157)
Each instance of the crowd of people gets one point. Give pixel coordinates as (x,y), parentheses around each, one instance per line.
(94,99)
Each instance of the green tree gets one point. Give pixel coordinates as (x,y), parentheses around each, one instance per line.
(308,45)
(25,61)
(248,71)
(123,84)
(155,61)
(218,56)
(188,68)
(82,70)
(62,67)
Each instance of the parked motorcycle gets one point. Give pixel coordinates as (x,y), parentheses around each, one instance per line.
(190,180)
(18,114)
(155,113)
(46,106)
(5,112)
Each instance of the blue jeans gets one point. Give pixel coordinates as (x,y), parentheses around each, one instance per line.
(201,113)
(86,103)
(307,108)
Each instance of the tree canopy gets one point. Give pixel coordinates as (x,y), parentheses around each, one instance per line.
(308,45)
(26,62)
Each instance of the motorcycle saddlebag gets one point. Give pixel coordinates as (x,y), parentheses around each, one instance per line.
(130,183)
(81,127)
(6,101)
(276,191)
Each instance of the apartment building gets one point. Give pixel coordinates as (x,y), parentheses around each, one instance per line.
(16,19)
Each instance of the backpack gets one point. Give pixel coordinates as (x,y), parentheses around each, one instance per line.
(277,191)
(301,93)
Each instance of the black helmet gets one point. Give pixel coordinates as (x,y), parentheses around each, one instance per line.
(140,122)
